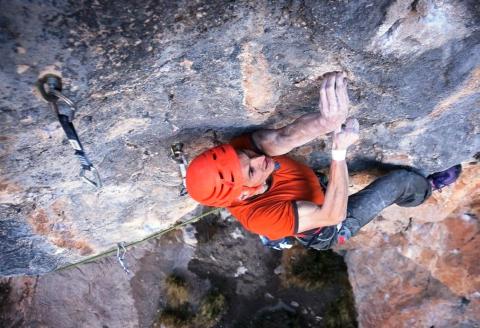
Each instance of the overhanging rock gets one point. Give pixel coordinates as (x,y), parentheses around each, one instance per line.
(147,75)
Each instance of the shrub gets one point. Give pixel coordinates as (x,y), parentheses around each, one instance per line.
(211,308)
(341,312)
(179,312)
(176,317)
(176,290)
(313,270)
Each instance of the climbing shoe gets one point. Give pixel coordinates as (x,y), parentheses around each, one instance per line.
(441,179)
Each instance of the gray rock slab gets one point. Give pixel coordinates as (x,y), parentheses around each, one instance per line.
(146,75)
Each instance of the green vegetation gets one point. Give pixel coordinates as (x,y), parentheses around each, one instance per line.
(313,270)
(176,317)
(341,312)
(212,307)
(176,289)
(180,313)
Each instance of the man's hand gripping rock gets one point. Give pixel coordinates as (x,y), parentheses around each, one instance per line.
(333,107)
(347,136)
(333,104)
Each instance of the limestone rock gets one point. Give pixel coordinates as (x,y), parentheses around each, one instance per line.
(146,75)
(422,271)
(98,294)
(404,294)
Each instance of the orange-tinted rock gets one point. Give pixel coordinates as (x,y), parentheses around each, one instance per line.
(393,291)
(449,249)
(53,224)
(422,271)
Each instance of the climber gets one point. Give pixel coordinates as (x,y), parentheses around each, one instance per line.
(276,197)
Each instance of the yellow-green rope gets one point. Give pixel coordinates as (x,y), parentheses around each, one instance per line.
(155,235)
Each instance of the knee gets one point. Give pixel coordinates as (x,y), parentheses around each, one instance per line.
(396,177)
(352,224)
(404,174)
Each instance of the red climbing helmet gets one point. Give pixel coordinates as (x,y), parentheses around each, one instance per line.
(214,178)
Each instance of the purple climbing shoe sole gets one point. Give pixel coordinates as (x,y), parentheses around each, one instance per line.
(444,178)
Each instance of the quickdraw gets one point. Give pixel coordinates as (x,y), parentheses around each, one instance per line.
(123,246)
(50,87)
(178,156)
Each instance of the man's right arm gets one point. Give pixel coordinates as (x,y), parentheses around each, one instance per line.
(333,109)
(334,208)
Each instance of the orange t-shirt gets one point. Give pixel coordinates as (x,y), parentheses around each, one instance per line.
(274,213)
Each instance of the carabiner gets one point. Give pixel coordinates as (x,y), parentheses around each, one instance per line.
(178,156)
(121,257)
(96,182)
(71,105)
(53,82)
(177,152)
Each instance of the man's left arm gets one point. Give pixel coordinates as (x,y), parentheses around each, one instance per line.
(333,110)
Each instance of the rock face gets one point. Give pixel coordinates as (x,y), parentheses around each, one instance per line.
(212,255)
(146,75)
(98,294)
(419,266)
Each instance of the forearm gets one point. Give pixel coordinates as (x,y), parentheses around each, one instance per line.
(333,109)
(334,208)
(303,130)
(336,196)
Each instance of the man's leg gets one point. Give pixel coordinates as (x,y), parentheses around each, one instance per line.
(404,188)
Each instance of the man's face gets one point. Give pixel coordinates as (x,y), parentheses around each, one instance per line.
(255,168)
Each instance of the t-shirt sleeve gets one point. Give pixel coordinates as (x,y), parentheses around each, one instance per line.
(245,141)
(276,220)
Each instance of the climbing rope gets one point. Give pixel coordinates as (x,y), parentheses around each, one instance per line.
(125,245)
(50,87)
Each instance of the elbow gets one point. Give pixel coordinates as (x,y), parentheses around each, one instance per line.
(336,217)
(336,209)
(339,219)
(341,216)
(334,221)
